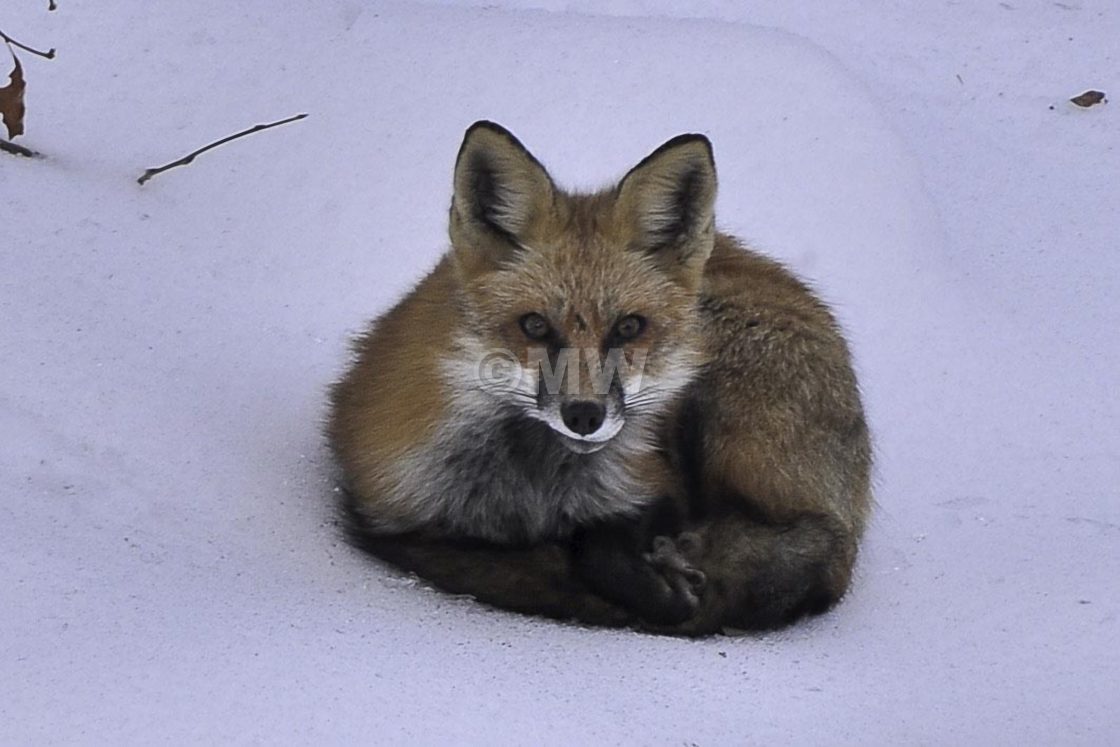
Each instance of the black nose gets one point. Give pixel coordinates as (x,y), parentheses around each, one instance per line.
(583,417)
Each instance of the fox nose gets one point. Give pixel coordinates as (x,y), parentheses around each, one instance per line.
(583,417)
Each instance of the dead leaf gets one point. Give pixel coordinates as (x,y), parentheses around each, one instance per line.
(11,101)
(1089,98)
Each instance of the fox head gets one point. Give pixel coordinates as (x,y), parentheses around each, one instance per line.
(581,309)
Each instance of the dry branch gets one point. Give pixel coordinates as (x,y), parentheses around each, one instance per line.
(17,150)
(49,54)
(149,173)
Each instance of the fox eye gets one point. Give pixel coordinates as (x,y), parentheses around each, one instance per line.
(535,326)
(629,327)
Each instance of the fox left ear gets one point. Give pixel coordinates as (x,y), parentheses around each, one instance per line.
(668,204)
(501,194)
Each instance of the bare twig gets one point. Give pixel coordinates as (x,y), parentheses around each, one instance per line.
(17,150)
(149,173)
(49,54)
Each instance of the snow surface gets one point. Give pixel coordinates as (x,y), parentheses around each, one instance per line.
(169,565)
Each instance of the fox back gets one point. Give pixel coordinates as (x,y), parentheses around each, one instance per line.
(662,423)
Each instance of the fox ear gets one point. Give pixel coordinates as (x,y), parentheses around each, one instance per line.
(668,204)
(501,191)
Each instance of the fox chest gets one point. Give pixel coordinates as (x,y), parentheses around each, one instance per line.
(514,482)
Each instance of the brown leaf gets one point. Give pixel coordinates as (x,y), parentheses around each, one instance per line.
(11,101)
(1089,98)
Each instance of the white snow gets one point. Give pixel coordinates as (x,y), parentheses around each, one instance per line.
(169,566)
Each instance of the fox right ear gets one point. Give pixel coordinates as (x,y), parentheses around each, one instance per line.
(501,191)
(668,204)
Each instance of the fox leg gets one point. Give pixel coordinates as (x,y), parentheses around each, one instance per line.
(634,563)
(538,580)
(534,580)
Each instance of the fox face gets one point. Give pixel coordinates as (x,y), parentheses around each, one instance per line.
(581,309)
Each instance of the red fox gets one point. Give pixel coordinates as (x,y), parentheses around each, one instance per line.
(597,407)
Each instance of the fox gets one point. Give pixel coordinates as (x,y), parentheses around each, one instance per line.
(599,408)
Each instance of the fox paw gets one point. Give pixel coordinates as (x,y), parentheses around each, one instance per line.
(685,582)
(690,545)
